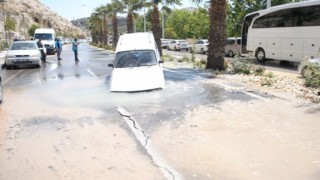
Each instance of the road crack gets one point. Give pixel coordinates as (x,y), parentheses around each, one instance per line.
(143,138)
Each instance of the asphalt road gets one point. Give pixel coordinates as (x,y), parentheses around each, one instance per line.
(61,122)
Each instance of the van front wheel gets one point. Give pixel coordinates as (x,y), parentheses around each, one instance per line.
(261,55)
(230,53)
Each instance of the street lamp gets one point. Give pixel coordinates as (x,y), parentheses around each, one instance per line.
(268,4)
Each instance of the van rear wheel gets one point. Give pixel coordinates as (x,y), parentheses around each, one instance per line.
(202,51)
(230,53)
(261,55)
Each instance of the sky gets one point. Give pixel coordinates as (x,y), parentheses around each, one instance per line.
(75,9)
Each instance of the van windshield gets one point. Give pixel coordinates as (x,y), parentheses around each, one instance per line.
(135,59)
(43,36)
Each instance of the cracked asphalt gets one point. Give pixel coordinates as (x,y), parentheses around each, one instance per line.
(61,122)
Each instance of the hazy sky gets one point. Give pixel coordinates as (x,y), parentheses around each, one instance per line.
(74,9)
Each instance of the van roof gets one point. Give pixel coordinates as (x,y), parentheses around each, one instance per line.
(44,30)
(136,41)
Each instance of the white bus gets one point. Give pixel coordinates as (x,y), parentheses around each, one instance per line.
(287,32)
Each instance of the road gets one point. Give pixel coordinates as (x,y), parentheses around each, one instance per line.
(61,122)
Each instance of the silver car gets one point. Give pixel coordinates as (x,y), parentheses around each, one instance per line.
(23,53)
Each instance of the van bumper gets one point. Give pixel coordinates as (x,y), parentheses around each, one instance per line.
(51,50)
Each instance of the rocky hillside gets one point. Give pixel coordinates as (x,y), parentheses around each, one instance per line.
(28,12)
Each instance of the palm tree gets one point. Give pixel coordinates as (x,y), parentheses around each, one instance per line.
(95,26)
(155,17)
(102,12)
(113,9)
(217,34)
(131,6)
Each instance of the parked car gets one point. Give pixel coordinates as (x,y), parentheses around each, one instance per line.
(232,46)
(137,65)
(178,45)
(23,53)
(200,46)
(3,57)
(1,90)
(304,65)
(165,43)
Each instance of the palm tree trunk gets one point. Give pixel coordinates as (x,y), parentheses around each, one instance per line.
(217,34)
(101,35)
(105,30)
(130,22)
(115,30)
(156,29)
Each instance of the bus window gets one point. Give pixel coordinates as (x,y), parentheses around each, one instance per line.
(310,16)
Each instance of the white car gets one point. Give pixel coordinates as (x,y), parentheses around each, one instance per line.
(137,65)
(23,53)
(165,43)
(178,45)
(200,46)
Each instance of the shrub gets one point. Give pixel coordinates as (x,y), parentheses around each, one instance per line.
(259,71)
(184,59)
(167,58)
(312,75)
(241,66)
(200,64)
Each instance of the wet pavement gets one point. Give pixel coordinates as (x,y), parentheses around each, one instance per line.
(61,122)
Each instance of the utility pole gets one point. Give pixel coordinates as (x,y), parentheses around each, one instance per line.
(268,4)
(144,20)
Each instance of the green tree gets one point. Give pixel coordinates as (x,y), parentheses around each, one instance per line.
(10,25)
(217,33)
(131,6)
(95,26)
(155,17)
(102,13)
(32,29)
(182,24)
(140,22)
(113,9)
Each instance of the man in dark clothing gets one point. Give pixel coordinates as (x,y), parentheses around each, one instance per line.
(41,48)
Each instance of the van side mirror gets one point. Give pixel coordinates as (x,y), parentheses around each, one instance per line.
(161,61)
(110,65)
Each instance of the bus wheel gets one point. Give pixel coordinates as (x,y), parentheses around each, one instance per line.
(230,53)
(261,56)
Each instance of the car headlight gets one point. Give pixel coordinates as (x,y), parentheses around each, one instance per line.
(34,55)
(10,56)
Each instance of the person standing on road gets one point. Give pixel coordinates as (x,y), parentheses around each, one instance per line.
(43,54)
(75,45)
(58,48)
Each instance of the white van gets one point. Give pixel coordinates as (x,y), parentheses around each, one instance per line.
(47,37)
(232,47)
(137,65)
